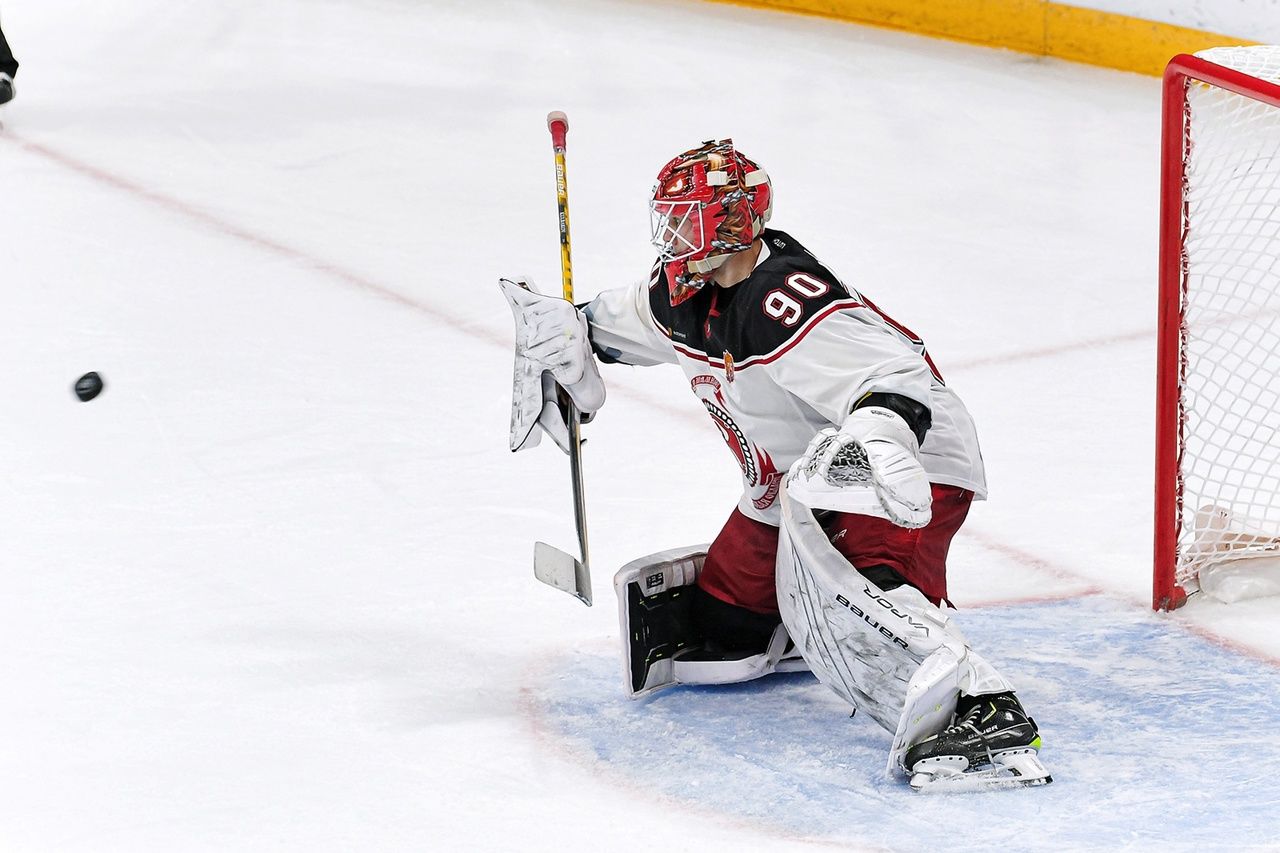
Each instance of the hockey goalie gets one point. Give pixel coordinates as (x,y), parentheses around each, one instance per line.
(858,463)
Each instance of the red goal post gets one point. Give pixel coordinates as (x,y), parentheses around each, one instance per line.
(1217,485)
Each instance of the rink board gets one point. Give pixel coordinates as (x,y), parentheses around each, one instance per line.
(1153,735)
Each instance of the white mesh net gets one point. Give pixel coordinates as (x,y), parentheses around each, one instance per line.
(1230,428)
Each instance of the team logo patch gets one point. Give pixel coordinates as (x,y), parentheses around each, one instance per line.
(763,479)
(728,366)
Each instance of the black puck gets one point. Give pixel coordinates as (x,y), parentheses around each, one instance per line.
(88,386)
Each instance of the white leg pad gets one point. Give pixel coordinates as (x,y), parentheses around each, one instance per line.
(744,669)
(865,643)
(654,625)
(642,586)
(930,703)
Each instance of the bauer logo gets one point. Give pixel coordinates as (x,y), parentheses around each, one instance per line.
(873,623)
(653,580)
(888,605)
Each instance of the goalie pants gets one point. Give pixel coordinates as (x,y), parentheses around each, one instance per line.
(739,569)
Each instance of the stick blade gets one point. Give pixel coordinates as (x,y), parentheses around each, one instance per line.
(562,571)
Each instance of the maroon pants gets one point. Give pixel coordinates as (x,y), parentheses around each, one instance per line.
(740,563)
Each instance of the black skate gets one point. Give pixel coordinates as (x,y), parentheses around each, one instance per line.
(6,88)
(991,744)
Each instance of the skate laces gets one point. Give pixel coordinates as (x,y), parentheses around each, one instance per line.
(968,721)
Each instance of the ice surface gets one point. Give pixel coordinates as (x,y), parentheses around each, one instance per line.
(1119,738)
(273,589)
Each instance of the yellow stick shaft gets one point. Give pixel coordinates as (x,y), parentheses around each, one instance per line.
(558,124)
(562,201)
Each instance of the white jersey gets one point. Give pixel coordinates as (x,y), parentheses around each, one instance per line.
(780,356)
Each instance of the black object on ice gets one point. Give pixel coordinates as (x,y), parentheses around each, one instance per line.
(88,386)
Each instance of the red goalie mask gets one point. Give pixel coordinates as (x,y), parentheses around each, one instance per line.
(707,204)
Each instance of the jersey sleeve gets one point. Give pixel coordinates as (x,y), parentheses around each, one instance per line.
(623,328)
(843,353)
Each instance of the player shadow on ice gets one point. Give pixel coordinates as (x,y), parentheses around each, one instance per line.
(1153,733)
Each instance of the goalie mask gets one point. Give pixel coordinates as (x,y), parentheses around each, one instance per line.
(707,204)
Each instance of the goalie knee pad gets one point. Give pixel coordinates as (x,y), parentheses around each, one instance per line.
(663,641)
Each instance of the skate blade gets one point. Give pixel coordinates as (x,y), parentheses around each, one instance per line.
(1010,770)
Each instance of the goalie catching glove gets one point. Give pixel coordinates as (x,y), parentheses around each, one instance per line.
(869,466)
(553,352)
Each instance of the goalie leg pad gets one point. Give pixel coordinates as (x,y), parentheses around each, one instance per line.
(928,707)
(655,602)
(661,638)
(866,643)
(779,656)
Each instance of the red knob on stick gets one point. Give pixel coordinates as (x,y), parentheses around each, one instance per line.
(558,124)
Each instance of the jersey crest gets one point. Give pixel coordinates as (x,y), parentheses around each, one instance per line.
(762,477)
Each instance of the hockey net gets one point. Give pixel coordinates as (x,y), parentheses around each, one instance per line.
(1218,393)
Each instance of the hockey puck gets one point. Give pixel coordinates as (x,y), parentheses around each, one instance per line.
(88,386)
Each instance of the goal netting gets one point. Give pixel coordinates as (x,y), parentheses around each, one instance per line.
(1220,406)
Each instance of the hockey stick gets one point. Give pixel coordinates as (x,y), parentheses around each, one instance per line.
(551,565)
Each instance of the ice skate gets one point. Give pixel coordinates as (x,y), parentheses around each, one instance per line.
(6,88)
(992,744)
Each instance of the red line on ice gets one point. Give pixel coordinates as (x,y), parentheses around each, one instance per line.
(244,235)
(462,324)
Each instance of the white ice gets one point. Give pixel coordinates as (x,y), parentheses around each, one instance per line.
(272,590)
